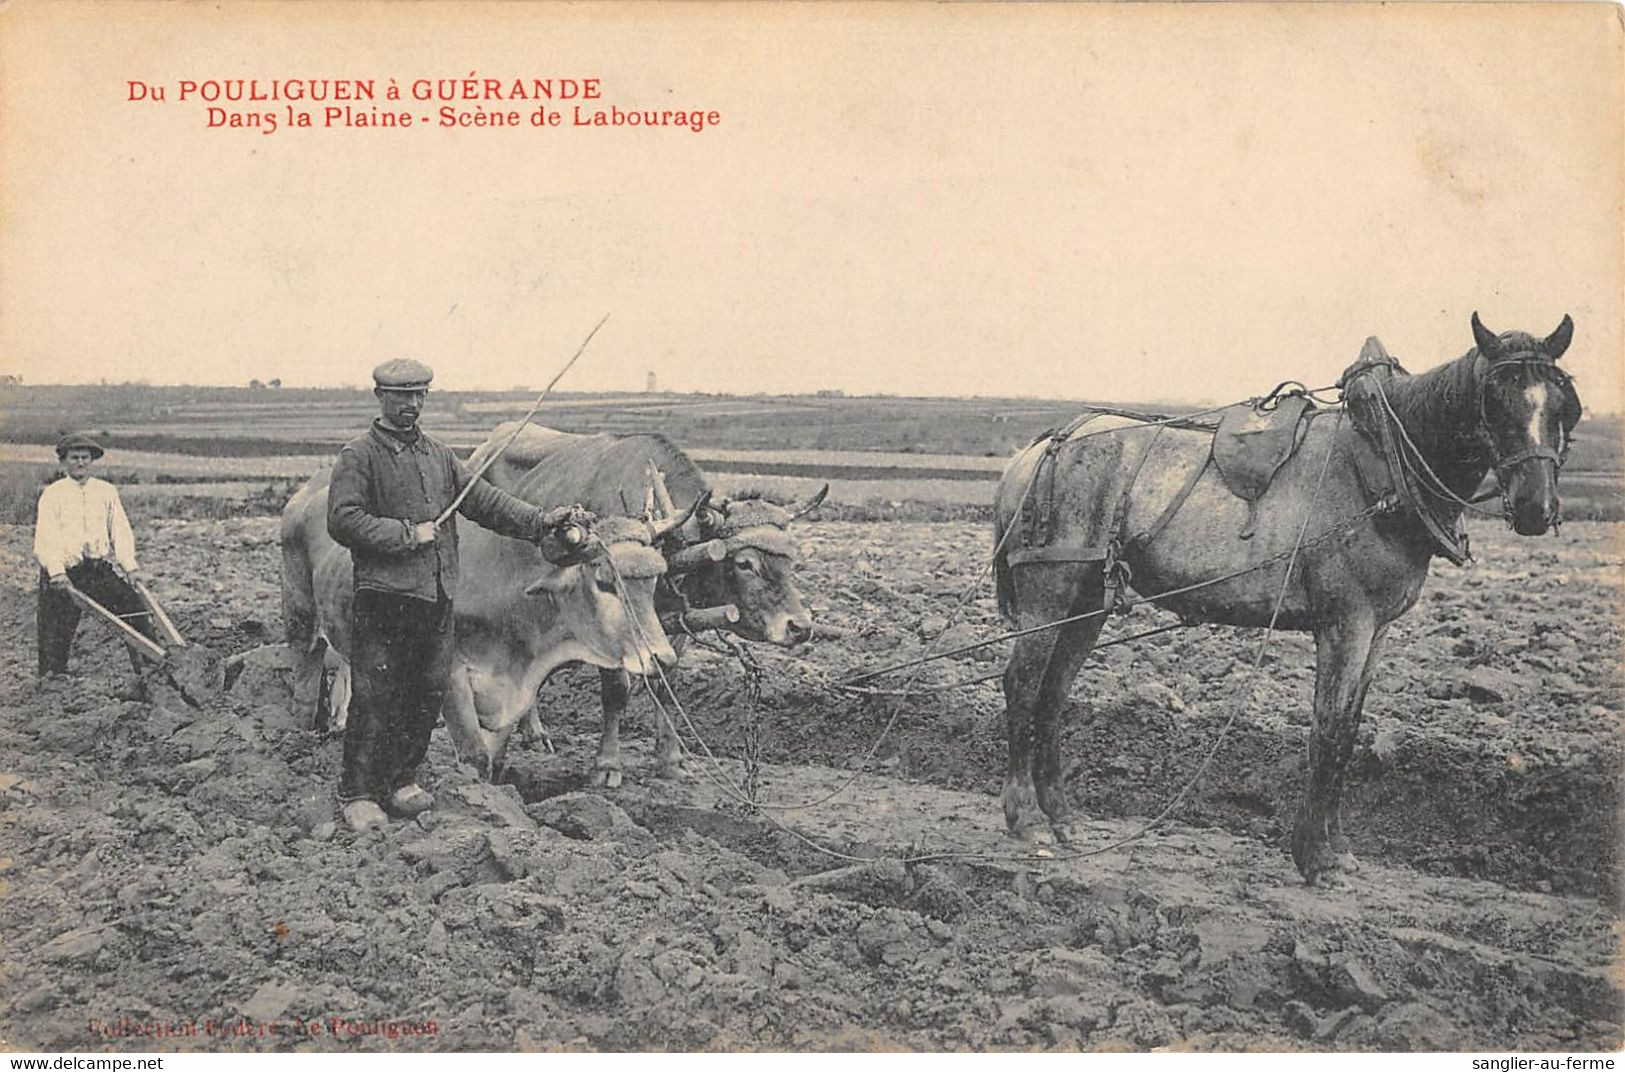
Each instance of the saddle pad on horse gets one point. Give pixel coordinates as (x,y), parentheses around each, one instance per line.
(1253,443)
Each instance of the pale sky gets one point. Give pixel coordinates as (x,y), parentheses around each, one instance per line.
(1179,203)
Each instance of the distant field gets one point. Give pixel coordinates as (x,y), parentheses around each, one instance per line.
(883,456)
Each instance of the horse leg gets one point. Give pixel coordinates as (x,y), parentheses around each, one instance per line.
(1072,649)
(1340,842)
(1042,593)
(613,688)
(1345,658)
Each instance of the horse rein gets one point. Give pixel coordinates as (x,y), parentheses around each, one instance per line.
(1498,463)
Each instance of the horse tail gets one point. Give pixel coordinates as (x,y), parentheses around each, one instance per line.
(1003,584)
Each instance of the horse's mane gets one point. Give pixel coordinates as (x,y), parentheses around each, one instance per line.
(1438,406)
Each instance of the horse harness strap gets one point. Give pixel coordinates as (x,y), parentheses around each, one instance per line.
(1038,519)
(1141,540)
(1385,477)
(1038,508)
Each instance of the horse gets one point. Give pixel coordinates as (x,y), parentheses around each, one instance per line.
(1326,554)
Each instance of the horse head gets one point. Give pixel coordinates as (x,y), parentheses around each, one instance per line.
(1527,410)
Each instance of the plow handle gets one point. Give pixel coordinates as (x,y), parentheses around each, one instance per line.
(129,635)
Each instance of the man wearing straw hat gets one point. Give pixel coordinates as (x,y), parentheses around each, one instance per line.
(82,540)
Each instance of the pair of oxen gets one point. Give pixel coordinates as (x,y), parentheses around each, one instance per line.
(520,617)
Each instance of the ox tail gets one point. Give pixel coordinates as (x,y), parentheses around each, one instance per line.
(298,591)
(299,629)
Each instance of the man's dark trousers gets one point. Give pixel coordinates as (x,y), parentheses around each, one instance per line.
(403,655)
(58,614)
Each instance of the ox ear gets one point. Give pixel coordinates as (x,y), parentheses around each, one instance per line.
(798,509)
(1558,341)
(552,583)
(1489,344)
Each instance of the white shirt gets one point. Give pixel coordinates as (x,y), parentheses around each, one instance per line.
(79,521)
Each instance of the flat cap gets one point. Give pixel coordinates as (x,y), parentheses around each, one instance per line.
(403,374)
(78,441)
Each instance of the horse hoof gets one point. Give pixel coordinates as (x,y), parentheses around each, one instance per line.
(607,778)
(1328,878)
(1037,835)
(1069,833)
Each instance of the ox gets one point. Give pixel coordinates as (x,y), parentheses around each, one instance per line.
(519,617)
(735,554)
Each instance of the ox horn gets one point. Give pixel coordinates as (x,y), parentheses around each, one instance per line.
(657,480)
(800,508)
(667,525)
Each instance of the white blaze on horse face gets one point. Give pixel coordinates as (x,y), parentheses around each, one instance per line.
(1537,410)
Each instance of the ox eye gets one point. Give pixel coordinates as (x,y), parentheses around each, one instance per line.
(605,584)
(745,564)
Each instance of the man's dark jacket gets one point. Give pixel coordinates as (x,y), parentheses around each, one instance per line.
(384,484)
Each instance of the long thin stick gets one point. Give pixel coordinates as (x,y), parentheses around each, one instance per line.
(158,612)
(486,464)
(131,637)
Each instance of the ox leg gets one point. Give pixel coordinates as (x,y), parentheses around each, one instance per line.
(668,750)
(1033,685)
(533,733)
(308,669)
(338,698)
(1345,658)
(614,686)
(472,742)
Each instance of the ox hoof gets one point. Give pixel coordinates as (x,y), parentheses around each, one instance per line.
(542,741)
(671,768)
(410,801)
(607,778)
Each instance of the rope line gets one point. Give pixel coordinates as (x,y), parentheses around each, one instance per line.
(719,777)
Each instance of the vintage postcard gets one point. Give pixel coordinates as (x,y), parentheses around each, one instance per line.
(811,526)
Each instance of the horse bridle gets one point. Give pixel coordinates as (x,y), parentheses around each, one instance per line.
(1564,383)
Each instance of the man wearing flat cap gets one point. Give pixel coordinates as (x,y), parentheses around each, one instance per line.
(82,540)
(388,488)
